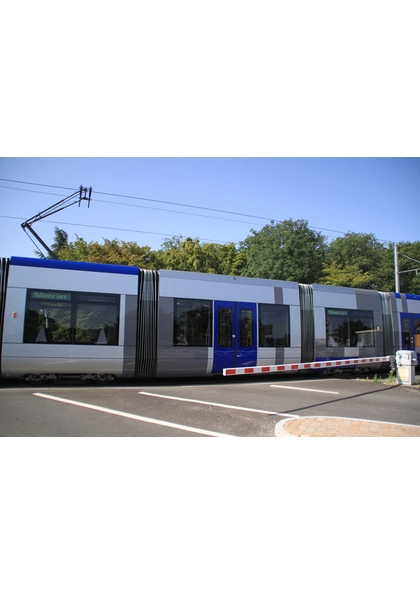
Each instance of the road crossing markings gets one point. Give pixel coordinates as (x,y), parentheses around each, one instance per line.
(219,404)
(135,417)
(303,389)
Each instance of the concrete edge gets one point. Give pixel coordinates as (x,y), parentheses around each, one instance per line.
(279,430)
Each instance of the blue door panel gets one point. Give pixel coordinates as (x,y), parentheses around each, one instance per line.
(410,332)
(224,336)
(235,335)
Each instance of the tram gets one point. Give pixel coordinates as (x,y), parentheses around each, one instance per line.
(103,321)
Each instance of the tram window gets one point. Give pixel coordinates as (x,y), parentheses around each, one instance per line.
(47,317)
(406,332)
(273,325)
(192,322)
(225,328)
(349,328)
(247,327)
(60,317)
(96,319)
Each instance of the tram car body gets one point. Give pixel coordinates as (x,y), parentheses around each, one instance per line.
(100,321)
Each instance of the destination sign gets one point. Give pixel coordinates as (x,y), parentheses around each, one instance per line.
(337,312)
(51,295)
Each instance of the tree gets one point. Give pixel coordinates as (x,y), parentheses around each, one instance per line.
(77,251)
(182,254)
(409,260)
(344,276)
(285,251)
(126,253)
(361,260)
(223,259)
(112,251)
(190,255)
(61,241)
(59,244)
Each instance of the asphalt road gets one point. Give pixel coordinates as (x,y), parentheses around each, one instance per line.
(237,407)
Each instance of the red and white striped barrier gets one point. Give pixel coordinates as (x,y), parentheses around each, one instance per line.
(298,366)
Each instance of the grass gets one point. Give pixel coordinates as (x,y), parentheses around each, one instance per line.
(390,379)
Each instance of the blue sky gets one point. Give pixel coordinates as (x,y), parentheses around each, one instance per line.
(218,83)
(147,200)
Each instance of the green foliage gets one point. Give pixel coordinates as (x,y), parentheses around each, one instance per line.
(409,260)
(183,255)
(192,256)
(110,252)
(360,260)
(286,251)
(362,249)
(344,276)
(61,240)
(391,377)
(359,257)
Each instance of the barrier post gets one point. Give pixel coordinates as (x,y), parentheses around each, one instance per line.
(406,367)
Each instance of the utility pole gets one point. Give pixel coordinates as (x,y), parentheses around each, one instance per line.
(397,269)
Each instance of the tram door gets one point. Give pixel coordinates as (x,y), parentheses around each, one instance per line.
(410,328)
(235,335)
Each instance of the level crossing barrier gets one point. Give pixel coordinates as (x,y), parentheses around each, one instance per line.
(299,366)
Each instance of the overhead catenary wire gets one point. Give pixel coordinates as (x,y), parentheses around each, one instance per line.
(271,219)
(161,234)
(111,228)
(146,199)
(192,214)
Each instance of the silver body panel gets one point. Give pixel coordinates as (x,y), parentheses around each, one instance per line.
(19,359)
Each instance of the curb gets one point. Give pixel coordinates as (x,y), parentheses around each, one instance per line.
(280,430)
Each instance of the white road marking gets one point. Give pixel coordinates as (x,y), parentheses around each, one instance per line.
(303,389)
(135,417)
(256,410)
(318,379)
